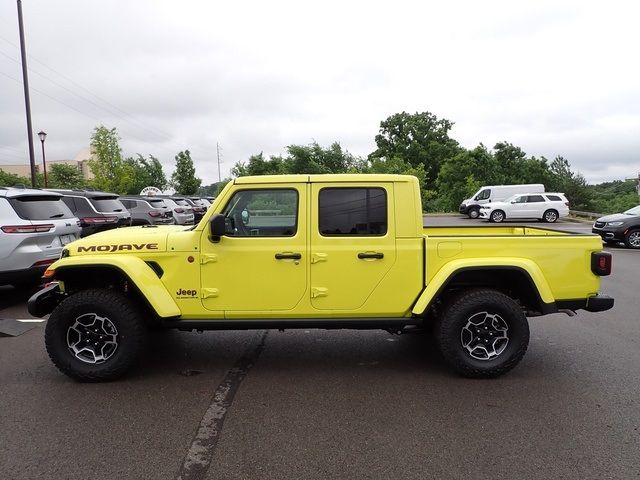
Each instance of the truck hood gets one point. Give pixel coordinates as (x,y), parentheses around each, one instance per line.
(125,240)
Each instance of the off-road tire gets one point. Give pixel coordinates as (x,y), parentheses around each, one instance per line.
(497,216)
(120,311)
(631,238)
(473,212)
(456,315)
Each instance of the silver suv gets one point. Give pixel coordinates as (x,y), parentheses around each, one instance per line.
(34,226)
(182,214)
(148,210)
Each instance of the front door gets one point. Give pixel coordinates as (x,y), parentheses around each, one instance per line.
(352,243)
(260,264)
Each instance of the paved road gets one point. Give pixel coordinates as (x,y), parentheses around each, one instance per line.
(335,404)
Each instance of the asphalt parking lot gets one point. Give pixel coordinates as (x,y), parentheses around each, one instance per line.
(318,404)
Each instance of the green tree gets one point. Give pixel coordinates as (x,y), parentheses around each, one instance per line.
(418,139)
(110,171)
(184,179)
(10,179)
(61,175)
(572,184)
(155,173)
(258,165)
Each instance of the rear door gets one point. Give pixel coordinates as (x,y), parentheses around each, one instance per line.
(536,205)
(353,244)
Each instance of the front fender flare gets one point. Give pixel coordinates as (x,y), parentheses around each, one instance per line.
(136,270)
(448,271)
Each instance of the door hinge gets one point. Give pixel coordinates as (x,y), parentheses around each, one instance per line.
(319,292)
(206,258)
(209,293)
(319,257)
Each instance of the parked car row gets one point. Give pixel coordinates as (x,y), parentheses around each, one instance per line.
(36,224)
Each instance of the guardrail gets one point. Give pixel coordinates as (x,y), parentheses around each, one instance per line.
(591,215)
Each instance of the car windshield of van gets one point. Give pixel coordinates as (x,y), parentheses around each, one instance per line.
(107,204)
(484,194)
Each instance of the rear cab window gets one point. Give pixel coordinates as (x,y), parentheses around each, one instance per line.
(40,207)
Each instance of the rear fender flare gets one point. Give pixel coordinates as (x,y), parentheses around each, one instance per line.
(440,280)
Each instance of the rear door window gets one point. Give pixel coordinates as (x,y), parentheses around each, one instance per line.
(536,198)
(352,211)
(40,207)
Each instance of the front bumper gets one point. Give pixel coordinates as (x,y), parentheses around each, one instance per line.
(44,301)
(463,209)
(611,234)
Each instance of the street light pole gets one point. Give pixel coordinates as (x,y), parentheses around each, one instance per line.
(42,136)
(27,101)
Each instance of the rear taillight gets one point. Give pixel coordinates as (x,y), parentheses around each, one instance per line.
(198,209)
(155,214)
(601,263)
(178,210)
(566,203)
(45,227)
(94,220)
(44,263)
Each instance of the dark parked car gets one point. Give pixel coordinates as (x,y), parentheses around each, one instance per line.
(148,210)
(620,227)
(97,211)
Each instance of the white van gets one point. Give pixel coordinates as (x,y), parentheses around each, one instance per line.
(495,193)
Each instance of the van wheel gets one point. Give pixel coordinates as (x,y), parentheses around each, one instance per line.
(550,216)
(95,335)
(473,213)
(482,333)
(496,216)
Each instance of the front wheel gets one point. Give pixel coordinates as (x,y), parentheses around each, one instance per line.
(474,213)
(632,239)
(496,216)
(95,335)
(483,333)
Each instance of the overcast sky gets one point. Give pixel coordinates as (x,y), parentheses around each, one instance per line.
(555,78)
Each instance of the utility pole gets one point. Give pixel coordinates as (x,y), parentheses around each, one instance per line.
(27,101)
(218,151)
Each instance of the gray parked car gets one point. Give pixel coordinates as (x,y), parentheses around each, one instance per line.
(34,227)
(183,215)
(148,210)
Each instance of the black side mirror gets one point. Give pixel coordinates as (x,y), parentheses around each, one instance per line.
(217,226)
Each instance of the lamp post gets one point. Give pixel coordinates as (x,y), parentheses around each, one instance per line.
(42,136)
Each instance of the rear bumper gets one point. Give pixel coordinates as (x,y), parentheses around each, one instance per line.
(597,303)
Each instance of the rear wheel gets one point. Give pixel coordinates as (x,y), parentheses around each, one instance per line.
(473,213)
(632,239)
(95,335)
(497,216)
(482,333)
(550,216)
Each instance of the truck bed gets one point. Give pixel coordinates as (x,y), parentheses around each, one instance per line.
(557,255)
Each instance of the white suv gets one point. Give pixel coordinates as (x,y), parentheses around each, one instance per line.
(547,207)
(34,227)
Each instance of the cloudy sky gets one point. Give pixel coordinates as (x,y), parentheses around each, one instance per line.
(555,78)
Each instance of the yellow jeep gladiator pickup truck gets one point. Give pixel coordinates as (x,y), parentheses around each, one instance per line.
(316,251)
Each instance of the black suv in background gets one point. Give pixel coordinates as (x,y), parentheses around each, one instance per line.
(148,210)
(97,211)
(620,227)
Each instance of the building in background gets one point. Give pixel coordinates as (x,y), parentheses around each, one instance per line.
(81,161)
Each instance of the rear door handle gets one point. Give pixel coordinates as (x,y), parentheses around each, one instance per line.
(288,256)
(365,255)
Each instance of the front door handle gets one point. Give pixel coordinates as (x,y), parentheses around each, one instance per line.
(365,255)
(288,256)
